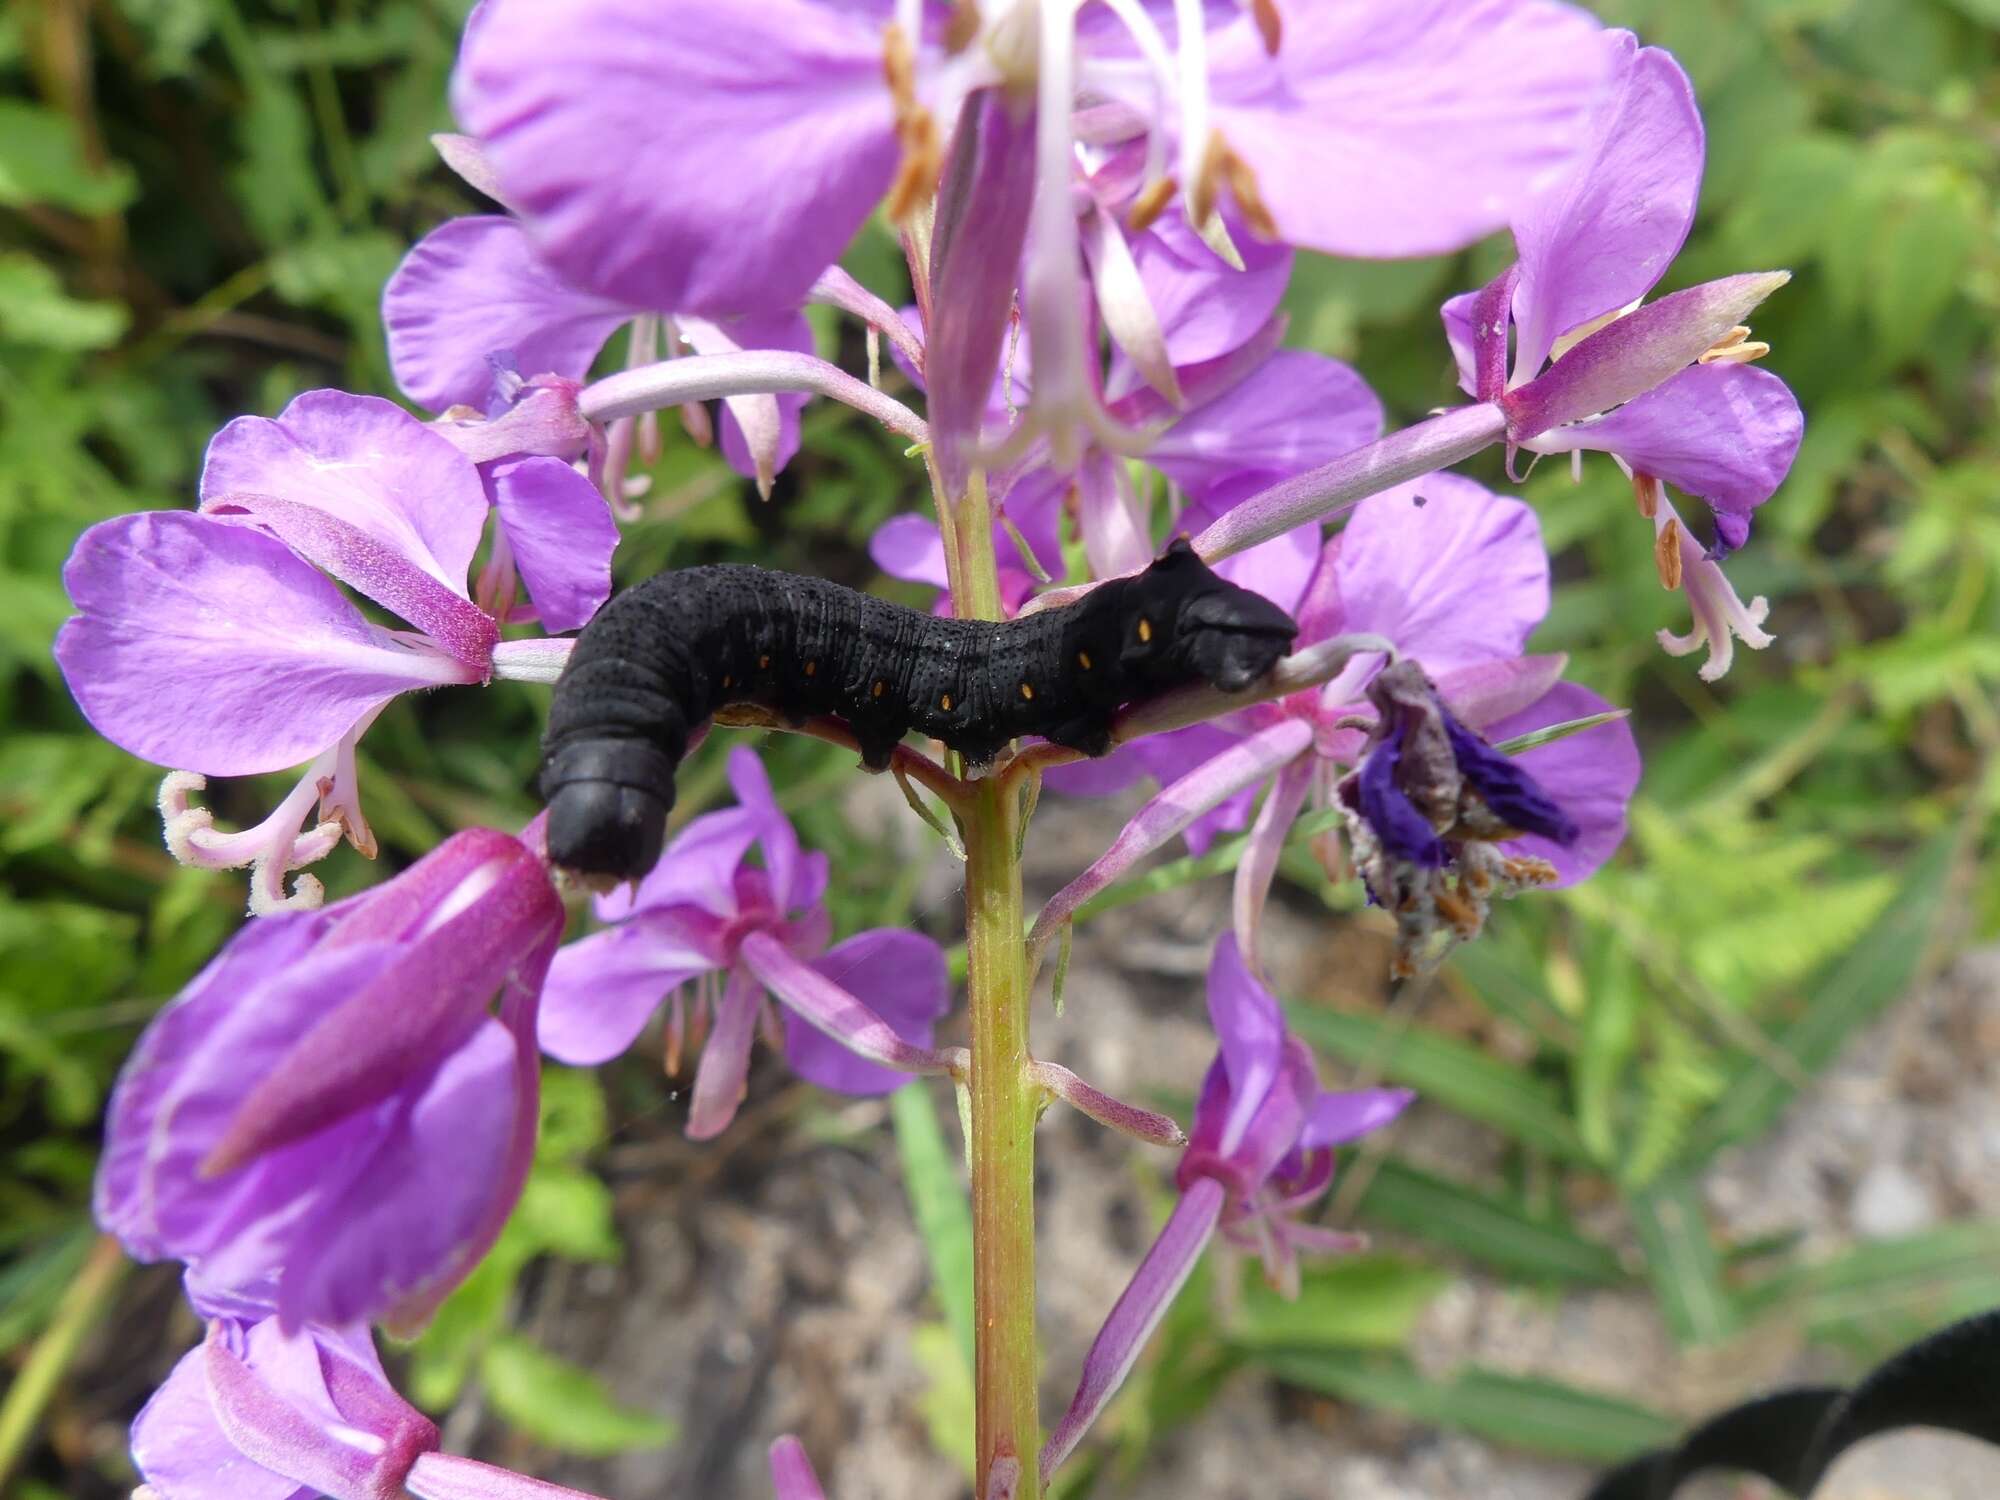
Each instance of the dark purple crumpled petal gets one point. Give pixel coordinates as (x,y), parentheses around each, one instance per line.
(1508,789)
(1404,831)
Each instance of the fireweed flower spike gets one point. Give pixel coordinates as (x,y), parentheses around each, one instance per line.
(1260,1154)
(792,120)
(1666,389)
(792,1476)
(333,1105)
(1457,578)
(255,1413)
(736,932)
(215,642)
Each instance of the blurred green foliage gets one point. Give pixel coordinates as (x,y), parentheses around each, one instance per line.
(199,202)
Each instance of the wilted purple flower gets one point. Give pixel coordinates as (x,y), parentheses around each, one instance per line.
(331,1105)
(474,299)
(1426,811)
(738,931)
(258,1413)
(1343,129)
(1456,578)
(215,644)
(1664,389)
(1261,1153)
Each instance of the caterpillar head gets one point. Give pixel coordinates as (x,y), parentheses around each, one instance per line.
(608,802)
(1186,621)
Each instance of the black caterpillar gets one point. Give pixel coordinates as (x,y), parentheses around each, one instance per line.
(663,656)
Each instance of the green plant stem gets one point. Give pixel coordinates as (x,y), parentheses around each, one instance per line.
(1004,1099)
(82,1303)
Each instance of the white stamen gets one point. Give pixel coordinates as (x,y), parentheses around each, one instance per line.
(1191,32)
(1160,66)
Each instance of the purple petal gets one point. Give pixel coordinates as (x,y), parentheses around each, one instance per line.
(900,976)
(274,1403)
(1409,129)
(1591,775)
(1404,831)
(1207,308)
(1135,1315)
(602,989)
(1726,433)
(1509,789)
(1296,412)
(561,534)
(1337,1118)
(214,648)
(980,228)
(910,548)
(834,1010)
(179,1449)
(1461,577)
(1489,690)
(1251,1031)
(792,1476)
(729,192)
(1476,326)
(793,883)
(1167,757)
(474,292)
(1631,355)
(698,869)
(1606,233)
(364,461)
(401,1227)
(722,1074)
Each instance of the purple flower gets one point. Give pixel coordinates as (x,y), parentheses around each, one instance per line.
(474,300)
(258,1413)
(1664,388)
(737,931)
(1344,130)
(216,643)
(1456,578)
(792,1476)
(331,1104)
(1261,1153)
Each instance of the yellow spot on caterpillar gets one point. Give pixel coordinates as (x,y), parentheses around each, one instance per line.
(945,703)
(1145,628)
(1083,660)
(728,682)
(880,688)
(811,667)
(763,663)
(1027,692)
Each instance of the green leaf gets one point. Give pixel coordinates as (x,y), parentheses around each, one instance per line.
(567,1211)
(1483,1227)
(948,1405)
(1548,734)
(1682,1262)
(937,1200)
(1360,1302)
(34,309)
(1447,1072)
(42,161)
(1847,996)
(558,1403)
(1541,1415)
(1882,1296)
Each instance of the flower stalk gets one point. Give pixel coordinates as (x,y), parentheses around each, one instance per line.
(1006,1097)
